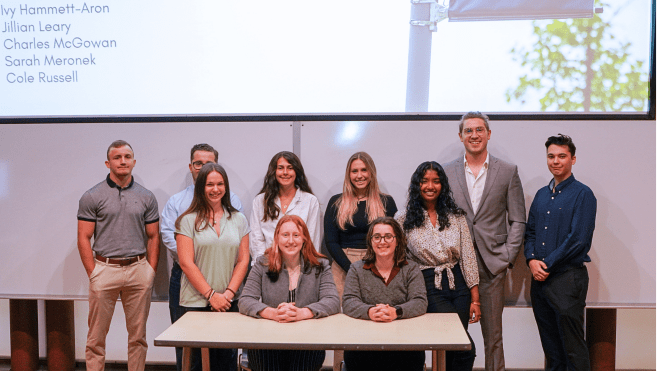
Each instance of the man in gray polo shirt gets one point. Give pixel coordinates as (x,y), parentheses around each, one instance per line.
(122,216)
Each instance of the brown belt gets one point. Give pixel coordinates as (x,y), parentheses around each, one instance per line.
(120,261)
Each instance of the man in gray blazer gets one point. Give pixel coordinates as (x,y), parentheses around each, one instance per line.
(489,190)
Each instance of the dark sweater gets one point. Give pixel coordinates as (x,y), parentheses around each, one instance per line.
(354,236)
(363,290)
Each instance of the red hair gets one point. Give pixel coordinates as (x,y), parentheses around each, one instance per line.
(308,252)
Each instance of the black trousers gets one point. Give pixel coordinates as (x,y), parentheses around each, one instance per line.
(175,309)
(558,305)
(285,360)
(384,360)
(452,301)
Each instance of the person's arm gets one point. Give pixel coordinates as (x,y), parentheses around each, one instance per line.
(515,207)
(530,232)
(153,244)
(328,303)
(314,222)
(390,206)
(250,302)
(352,301)
(475,305)
(583,223)
(85,233)
(240,268)
(468,258)
(331,235)
(257,238)
(537,267)
(417,302)
(167,228)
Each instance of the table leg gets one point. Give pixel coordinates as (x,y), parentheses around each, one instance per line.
(206,364)
(185,359)
(438,360)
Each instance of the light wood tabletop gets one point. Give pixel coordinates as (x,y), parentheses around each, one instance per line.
(432,331)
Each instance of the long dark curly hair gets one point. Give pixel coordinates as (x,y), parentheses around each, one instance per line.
(271,188)
(416,205)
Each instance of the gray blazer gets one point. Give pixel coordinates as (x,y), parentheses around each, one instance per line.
(502,204)
(316,292)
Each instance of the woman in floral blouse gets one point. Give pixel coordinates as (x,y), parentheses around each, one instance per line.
(439,241)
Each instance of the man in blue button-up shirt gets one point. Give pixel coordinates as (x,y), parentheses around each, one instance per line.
(558,237)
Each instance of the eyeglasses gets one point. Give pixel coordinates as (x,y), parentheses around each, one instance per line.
(481,130)
(387,238)
(197,165)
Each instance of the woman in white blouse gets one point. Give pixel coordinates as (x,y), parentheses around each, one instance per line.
(439,241)
(285,192)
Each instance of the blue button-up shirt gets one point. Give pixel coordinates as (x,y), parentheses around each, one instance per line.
(561,225)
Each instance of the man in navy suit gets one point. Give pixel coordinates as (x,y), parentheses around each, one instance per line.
(491,193)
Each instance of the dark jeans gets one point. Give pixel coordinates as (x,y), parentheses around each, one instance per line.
(558,305)
(220,359)
(384,360)
(452,301)
(285,360)
(175,311)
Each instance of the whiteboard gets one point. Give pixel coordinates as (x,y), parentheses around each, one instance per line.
(45,168)
(616,159)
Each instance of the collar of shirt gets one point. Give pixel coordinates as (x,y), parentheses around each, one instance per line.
(114,185)
(561,185)
(484,168)
(294,201)
(393,273)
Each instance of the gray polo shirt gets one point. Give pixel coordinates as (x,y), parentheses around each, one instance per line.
(120,215)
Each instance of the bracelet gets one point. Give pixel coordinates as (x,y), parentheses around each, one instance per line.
(206,295)
(476,303)
(210,296)
(232,291)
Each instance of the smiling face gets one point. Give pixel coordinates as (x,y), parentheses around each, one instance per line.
(474,136)
(120,162)
(386,246)
(284,173)
(360,175)
(560,162)
(214,188)
(290,241)
(430,186)
(200,158)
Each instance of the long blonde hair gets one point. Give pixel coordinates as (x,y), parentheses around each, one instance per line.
(347,204)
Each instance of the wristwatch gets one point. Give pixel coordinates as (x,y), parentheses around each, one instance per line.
(399,312)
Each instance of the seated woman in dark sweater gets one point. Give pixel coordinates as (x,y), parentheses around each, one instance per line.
(384,287)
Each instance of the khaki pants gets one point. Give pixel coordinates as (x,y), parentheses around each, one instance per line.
(338,273)
(340,278)
(133,283)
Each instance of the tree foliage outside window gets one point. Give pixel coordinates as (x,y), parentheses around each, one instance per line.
(577,64)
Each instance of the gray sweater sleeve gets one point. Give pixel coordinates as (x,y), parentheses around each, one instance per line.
(416,303)
(353,304)
(250,301)
(328,303)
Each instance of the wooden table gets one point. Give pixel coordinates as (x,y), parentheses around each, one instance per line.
(432,331)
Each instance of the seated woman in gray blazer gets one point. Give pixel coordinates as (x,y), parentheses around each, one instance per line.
(290,282)
(383,287)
